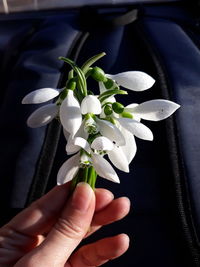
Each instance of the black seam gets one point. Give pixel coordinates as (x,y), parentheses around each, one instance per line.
(49,148)
(179,174)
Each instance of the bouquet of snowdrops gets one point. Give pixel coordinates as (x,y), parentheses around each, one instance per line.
(98,125)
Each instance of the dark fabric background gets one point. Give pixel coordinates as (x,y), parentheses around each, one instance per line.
(164,42)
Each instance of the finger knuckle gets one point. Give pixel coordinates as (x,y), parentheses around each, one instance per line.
(69,228)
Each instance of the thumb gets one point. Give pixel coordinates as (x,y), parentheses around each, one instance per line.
(68,231)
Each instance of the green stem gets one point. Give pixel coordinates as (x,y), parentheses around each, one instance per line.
(71,74)
(111,92)
(92,177)
(81,81)
(74,182)
(85,175)
(91,61)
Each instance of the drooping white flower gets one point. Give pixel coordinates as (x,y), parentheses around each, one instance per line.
(153,110)
(71,113)
(101,165)
(45,114)
(120,156)
(133,80)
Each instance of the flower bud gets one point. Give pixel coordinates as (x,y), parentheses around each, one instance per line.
(127,115)
(109,84)
(118,107)
(71,84)
(108,110)
(63,95)
(98,74)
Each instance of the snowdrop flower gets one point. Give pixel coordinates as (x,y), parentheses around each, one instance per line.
(71,112)
(103,168)
(73,123)
(106,129)
(120,156)
(44,114)
(153,110)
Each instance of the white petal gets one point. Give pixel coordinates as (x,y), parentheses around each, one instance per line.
(40,96)
(81,132)
(130,109)
(110,99)
(102,143)
(70,113)
(155,110)
(130,147)
(102,87)
(66,134)
(90,104)
(136,128)
(104,169)
(118,158)
(81,142)
(131,106)
(42,116)
(85,159)
(68,170)
(133,80)
(110,131)
(71,148)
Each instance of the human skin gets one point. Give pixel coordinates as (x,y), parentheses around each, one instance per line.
(48,232)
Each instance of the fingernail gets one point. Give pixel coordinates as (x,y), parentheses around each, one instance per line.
(82,197)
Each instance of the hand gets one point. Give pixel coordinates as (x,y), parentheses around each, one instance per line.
(47,233)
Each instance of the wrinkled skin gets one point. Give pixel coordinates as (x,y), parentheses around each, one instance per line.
(48,232)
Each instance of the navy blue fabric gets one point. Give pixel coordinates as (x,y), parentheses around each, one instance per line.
(35,67)
(183,73)
(153,226)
